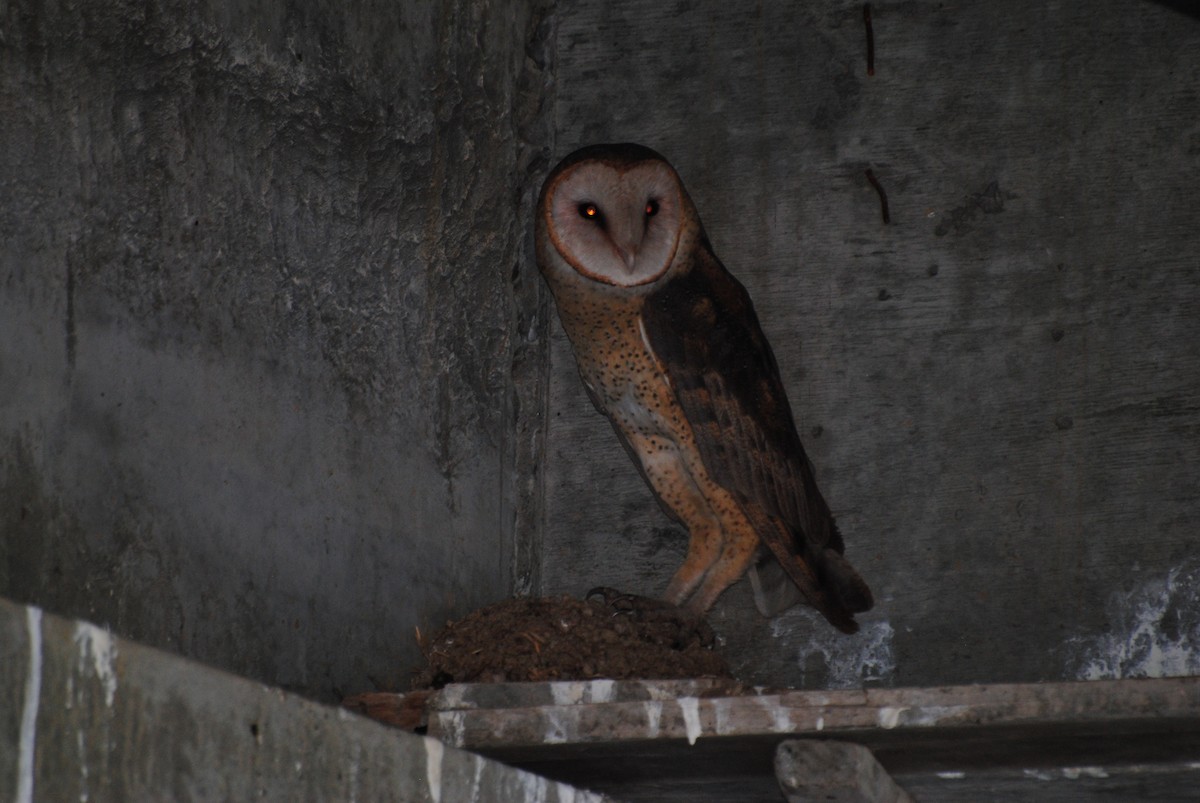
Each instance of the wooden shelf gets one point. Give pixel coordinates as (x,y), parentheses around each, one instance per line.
(715,740)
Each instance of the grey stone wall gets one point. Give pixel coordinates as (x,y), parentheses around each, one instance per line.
(262,300)
(275,363)
(1000,389)
(86,716)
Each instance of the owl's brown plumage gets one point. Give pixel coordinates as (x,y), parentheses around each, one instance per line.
(671,351)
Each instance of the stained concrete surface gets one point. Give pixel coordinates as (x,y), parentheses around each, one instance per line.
(274,365)
(261,310)
(998,389)
(87,716)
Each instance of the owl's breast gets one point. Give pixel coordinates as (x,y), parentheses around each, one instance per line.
(624,377)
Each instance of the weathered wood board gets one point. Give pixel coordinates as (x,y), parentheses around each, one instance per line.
(1000,389)
(709,740)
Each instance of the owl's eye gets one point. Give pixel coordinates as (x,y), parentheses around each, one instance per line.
(651,208)
(589,211)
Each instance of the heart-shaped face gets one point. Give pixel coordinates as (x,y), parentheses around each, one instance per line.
(615,217)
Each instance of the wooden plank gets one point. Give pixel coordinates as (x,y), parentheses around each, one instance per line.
(496,696)
(693,740)
(577,713)
(404,711)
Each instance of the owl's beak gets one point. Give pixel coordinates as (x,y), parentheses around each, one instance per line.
(627,232)
(628,256)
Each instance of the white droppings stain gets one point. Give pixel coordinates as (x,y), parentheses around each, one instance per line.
(556,732)
(780,717)
(889,716)
(569,794)
(83,767)
(534,788)
(97,648)
(661,692)
(865,657)
(433,768)
(603,691)
(577,692)
(783,719)
(477,778)
(720,707)
(567,692)
(952,775)
(820,723)
(33,695)
(1074,773)
(452,696)
(690,708)
(653,717)
(1155,633)
(452,727)
(932,714)
(1039,775)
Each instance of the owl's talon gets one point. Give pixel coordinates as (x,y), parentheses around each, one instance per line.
(622,604)
(686,624)
(607,593)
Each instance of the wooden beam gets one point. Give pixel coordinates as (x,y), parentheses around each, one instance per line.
(591,712)
(699,740)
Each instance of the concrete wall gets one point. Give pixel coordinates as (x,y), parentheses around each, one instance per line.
(263,323)
(999,389)
(85,716)
(274,362)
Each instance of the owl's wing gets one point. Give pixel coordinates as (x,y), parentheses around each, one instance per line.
(702,327)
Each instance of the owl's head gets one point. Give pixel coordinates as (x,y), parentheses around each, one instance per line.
(613,213)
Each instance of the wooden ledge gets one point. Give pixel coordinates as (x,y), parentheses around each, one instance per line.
(715,740)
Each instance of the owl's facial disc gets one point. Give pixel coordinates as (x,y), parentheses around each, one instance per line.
(616,224)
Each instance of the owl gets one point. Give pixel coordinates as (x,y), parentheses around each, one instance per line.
(671,352)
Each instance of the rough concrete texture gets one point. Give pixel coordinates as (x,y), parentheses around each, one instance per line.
(840,772)
(999,388)
(273,352)
(269,354)
(86,716)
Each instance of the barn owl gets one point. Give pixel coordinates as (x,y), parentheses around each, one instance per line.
(671,351)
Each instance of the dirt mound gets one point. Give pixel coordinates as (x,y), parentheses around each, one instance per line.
(562,638)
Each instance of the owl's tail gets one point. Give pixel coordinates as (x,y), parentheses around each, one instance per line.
(844,582)
(845,592)
(774,592)
(821,576)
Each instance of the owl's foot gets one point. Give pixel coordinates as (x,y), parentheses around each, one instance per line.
(669,623)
